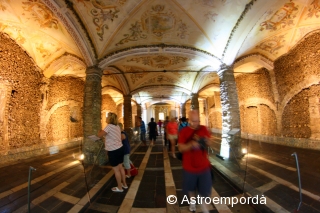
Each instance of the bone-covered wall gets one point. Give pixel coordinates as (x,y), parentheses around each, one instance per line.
(298,77)
(20,82)
(107,105)
(287,106)
(37,115)
(64,109)
(256,102)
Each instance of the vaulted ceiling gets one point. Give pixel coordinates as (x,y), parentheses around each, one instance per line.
(157,50)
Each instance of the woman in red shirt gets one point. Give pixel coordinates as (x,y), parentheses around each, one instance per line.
(172,134)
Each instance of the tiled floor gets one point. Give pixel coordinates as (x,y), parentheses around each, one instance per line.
(59,183)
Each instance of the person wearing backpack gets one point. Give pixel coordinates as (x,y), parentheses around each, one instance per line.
(183,123)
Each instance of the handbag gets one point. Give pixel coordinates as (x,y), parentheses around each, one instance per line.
(133,170)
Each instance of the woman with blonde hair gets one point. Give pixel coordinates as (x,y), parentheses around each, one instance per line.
(113,144)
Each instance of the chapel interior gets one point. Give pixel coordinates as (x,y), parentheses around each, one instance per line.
(250,67)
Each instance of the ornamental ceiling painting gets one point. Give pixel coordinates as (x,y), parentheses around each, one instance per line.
(281,27)
(147,47)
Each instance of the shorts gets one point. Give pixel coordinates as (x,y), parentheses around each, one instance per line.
(143,136)
(153,136)
(200,182)
(126,161)
(116,156)
(172,137)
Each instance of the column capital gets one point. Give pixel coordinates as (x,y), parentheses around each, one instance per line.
(94,71)
(127,97)
(224,69)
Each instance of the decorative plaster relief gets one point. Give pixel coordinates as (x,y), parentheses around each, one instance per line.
(282,18)
(109,75)
(314,9)
(40,13)
(101,12)
(159,61)
(160,79)
(182,79)
(135,34)
(47,50)
(210,16)
(158,21)
(135,76)
(273,44)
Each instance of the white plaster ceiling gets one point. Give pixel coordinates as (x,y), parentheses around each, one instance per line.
(184,40)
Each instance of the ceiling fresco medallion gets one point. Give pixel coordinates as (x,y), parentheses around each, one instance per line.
(40,13)
(272,45)
(157,21)
(159,61)
(282,18)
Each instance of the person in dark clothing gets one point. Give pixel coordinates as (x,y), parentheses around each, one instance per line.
(183,123)
(126,146)
(142,127)
(165,123)
(152,129)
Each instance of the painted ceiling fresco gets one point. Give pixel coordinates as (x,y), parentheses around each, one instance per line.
(281,27)
(147,46)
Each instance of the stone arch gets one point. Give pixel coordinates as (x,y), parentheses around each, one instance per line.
(62,61)
(121,79)
(69,125)
(177,88)
(200,77)
(257,60)
(210,86)
(311,80)
(205,57)
(256,102)
(58,105)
